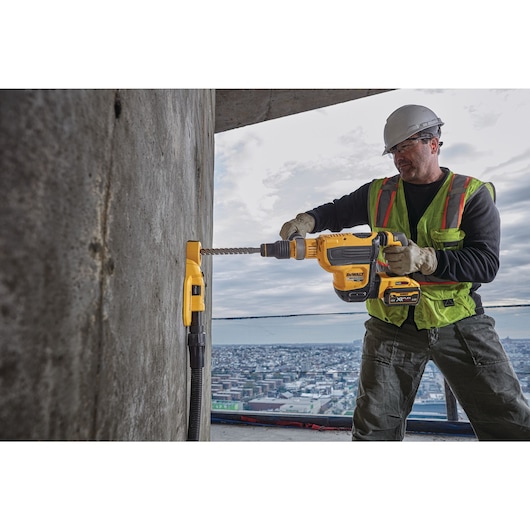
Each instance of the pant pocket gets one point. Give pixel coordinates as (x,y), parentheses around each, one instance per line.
(480,340)
(379,341)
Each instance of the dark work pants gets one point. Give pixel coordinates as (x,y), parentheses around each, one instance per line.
(473,362)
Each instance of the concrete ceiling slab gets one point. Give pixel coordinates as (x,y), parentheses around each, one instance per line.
(240,107)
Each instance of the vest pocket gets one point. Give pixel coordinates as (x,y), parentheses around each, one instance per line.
(444,305)
(447,239)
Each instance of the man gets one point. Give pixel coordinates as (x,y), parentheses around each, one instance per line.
(453,228)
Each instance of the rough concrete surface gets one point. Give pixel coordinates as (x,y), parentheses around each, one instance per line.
(249,433)
(240,107)
(100,190)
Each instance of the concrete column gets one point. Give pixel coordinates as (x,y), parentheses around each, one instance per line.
(100,191)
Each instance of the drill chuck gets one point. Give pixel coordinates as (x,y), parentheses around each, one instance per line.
(295,248)
(279,249)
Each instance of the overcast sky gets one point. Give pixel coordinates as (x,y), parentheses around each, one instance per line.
(266,173)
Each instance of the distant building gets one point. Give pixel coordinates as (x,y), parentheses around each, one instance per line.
(305,405)
(270,404)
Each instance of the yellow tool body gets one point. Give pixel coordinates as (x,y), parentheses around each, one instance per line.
(193,282)
(353,261)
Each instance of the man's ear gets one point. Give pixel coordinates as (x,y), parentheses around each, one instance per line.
(435,145)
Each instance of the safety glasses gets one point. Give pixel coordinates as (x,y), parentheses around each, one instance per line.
(409,143)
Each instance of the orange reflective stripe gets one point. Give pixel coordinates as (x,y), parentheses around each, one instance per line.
(378,203)
(454,202)
(385,200)
(462,201)
(387,215)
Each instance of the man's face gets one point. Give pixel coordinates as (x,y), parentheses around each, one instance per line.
(416,159)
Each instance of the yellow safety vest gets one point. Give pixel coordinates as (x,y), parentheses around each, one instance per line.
(442,302)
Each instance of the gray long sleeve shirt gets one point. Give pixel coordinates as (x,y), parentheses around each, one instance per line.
(476,262)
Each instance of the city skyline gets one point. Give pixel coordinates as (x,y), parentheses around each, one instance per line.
(322,378)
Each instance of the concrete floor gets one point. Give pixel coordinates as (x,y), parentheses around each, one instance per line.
(220,432)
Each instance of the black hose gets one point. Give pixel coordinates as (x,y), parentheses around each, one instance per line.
(196,346)
(194,424)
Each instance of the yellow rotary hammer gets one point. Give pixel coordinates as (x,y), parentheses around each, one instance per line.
(353,261)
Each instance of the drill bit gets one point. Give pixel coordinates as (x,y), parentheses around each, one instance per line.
(219,251)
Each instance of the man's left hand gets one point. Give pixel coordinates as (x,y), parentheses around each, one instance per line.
(412,258)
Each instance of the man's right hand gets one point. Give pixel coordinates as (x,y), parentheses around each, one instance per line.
(301,224)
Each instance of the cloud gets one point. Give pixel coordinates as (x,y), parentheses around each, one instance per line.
(483,118)
(515,196)
(271,287)
(511,163)
(459,151)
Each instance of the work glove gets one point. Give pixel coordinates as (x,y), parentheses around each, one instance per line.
(303,223)
(405,260)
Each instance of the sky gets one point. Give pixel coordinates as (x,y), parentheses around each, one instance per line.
(267,173)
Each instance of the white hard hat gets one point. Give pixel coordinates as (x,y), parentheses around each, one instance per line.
(407,121)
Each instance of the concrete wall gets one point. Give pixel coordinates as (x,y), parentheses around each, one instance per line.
(100,192)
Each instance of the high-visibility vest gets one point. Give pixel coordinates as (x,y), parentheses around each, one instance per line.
(442,302)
